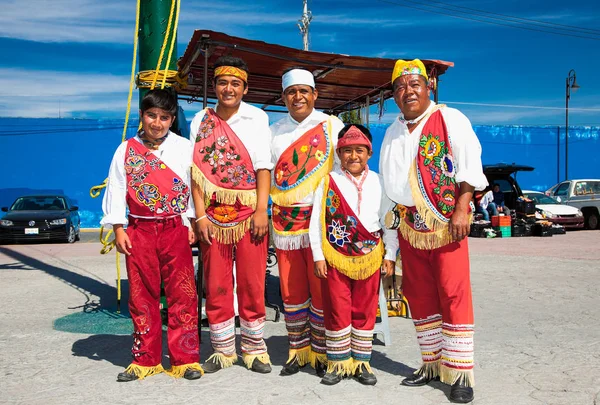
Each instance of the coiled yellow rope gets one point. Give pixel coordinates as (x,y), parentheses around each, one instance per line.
(95,191)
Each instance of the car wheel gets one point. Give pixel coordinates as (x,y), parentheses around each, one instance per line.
(591,221)
(72,236)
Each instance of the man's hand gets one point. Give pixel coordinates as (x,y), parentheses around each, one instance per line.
(459,226)
(321,269)
(122,241)
(389,266)
(204,231)
(259,225)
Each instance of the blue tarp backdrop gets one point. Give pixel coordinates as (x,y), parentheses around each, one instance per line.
(70,156)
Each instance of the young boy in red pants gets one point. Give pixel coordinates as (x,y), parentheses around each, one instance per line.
(348,249)
(150,175)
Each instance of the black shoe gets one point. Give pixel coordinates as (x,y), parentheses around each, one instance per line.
(461,393)
(126,376)
(192,374)
(417,380)
(364,377)
(331,378)
(320,369)
(290,368)
(212,365)
(260,367)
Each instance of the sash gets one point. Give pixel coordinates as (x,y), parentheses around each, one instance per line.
(347,245)
(434,189)
(154,190)
(302,165)
(290,226)
(223,169)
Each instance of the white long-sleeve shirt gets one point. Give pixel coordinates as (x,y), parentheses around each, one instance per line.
(287,130)
(251,125)
(373,206)
(175,152)
(399,150)
(486,199)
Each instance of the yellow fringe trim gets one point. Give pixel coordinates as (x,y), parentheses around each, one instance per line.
(223,195)
(310,184)
(343,368)
(302,356)
(355,267)
(249,359)
(232,234)
(223,360)
(315,358)
(358,365)
(450,376)
(430,369)
(143,371)
(179,371)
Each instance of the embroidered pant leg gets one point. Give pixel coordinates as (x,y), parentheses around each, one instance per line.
(177,269)
(251,266)
(144,293)
(295,293)
(337,307)
(451,263)
(217,260)
(365,299)
(419,285)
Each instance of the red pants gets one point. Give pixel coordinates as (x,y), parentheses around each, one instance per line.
(301,294)
(437,285)
(160,250)
(251,264)
(350,308)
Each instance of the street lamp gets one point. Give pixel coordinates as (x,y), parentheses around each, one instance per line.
(571,85)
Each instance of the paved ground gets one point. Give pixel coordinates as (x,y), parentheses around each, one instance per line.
(537,334)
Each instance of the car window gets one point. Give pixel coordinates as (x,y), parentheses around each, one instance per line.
(505,186)
(541,198)
(562,189)
(587,187)
(595,186)
(39,203)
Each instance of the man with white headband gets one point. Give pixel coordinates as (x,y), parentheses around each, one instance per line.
(303,147)
(431,163)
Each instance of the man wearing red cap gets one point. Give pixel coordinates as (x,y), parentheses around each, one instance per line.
(303,145)
(431,164)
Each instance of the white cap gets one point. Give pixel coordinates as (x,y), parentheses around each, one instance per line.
(297,76)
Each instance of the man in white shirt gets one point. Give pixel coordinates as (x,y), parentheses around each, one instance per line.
(231,181)
(150,175)
(303,145)
(431,163)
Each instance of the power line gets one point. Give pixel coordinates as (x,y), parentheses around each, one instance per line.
(489,22)
(521,106)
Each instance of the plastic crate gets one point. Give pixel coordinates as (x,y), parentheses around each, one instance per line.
(505,231)
(501,220)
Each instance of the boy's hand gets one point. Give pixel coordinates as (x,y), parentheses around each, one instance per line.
(191,236)
(259,225)
(388,268)
(122,241)
(204,231)
(321,269)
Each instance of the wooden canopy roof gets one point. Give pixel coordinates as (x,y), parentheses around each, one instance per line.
(344,82)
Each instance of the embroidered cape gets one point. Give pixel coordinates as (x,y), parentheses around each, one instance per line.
(153,189)
(223,169)
(434,188)
(290,226)
(347,245)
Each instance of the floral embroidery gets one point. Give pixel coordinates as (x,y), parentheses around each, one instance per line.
(337,233)
(236,175)
(352,221)
(319,155)
(216,158)
(366,246)
(222,141)
(148,194)
(205,130)
(179,203)
(225,213)
(134,163)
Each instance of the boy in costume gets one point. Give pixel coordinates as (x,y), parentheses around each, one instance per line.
(348,249)
(231,180)
(150,175)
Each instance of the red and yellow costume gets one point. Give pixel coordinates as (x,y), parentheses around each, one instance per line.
(222,167)
(156,198)
(297,174)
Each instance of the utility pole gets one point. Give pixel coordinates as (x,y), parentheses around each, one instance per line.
(304,23)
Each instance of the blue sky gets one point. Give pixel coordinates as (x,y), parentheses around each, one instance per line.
(75,55)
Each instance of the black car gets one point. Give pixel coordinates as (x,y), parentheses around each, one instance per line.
(505,176)
(40,217)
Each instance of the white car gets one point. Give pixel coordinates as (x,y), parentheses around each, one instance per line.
(555,212)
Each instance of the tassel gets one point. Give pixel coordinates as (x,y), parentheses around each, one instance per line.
(283,241)
(179,371)
(223,360)
(451,375)
(359,365)
(429,370)
(234,234)
(302,355)
(343,368)
(249,359)
(223,195)
(315,358)
(142,371)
